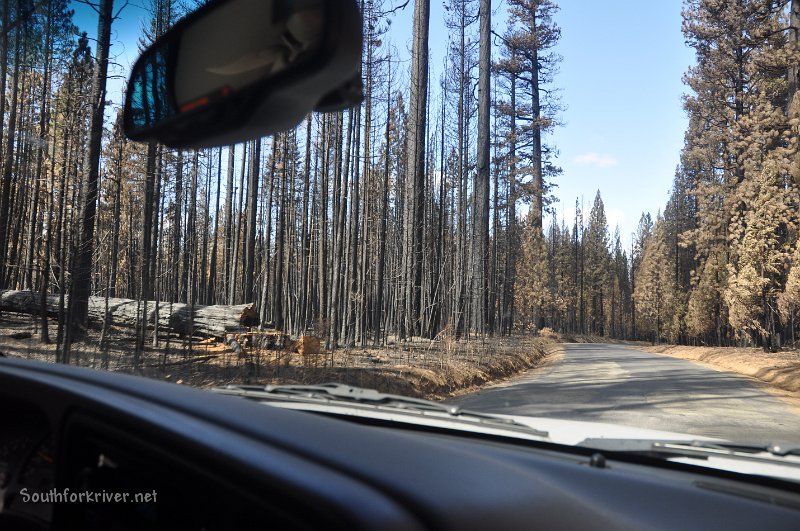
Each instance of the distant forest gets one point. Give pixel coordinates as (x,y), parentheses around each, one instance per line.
(422,212)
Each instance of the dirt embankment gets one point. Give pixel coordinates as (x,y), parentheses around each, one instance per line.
(432,369)
(422,368)
(496,360)
(779,370)
(590,338)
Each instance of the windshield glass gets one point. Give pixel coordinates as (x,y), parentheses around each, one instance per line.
(581,211)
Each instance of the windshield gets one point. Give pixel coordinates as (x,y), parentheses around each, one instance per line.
(582,211)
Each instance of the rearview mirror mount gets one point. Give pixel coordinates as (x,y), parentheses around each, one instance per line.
(235,70)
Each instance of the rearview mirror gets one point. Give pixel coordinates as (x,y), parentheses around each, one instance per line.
(235,70)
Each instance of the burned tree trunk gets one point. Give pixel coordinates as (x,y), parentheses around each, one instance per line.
(207,321)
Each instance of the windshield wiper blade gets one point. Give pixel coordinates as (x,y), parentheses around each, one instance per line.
(728,450)
(360,395)
(699,449)
(779,450)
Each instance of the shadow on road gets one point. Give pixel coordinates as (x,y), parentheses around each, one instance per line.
(611,383)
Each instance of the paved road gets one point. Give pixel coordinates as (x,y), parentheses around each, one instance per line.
(620,385)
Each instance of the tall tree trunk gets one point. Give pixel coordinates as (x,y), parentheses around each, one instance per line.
(415,166)
(794,40)
(538,177)
(237,229)
(190,242)
(340,187)
(44,335)
(252,211)
(82,275)
(377,313)
(211,296)
(480,252)
(176,229)
(44,126)
(322,225)
(438,279)
(352,262)
(147,241)
(278,293)
(4,31)
(266,307)
(494,284)
(228,249)
(305,239)
(8,159)
(155,221)
(203,280)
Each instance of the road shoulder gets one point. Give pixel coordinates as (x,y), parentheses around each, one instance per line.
(777,372)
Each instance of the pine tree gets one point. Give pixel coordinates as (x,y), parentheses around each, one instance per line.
(654,295)
(596,243)
(530,41)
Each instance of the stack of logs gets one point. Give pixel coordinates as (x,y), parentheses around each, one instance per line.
(231,324)
(205,321)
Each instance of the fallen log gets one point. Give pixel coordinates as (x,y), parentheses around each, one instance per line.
(208,321)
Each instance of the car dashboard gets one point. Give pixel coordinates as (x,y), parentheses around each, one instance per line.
(83,449)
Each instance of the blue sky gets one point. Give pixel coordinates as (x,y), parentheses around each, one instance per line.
(620,81)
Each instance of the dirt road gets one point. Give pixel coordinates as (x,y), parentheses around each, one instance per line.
(619,385)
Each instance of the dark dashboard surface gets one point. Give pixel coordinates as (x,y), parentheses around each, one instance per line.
(217,462)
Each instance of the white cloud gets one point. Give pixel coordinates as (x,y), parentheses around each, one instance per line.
(597,160)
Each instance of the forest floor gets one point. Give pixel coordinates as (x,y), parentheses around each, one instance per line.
(433,369)
(778,370)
